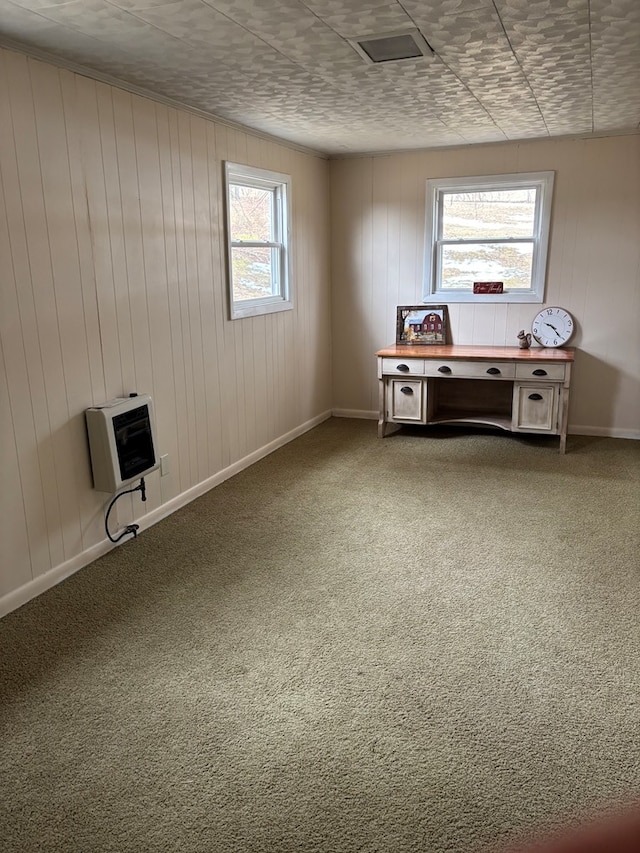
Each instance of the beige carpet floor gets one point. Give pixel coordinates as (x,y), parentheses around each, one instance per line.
(423,644)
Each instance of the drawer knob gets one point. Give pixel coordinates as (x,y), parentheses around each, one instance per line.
(406,389)
(535,396)
(539,372)
(494,371)
(444,369)
(403,367)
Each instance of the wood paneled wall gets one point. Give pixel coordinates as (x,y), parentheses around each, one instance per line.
(112,280)
(377,219)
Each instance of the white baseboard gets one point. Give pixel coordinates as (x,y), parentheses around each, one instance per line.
(605,432)
(355,413)
(16,598)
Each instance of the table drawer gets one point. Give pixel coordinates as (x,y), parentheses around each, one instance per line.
(403,366)
(405,400)
(470,369)
(535,408)
(540,371)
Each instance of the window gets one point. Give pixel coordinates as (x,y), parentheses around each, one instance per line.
(258,217)
(493,228)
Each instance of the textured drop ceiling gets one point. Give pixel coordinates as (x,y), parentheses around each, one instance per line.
(500,69)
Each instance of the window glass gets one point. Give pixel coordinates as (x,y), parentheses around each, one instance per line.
(253,272)
(509,263)
(508,213)
(251,211)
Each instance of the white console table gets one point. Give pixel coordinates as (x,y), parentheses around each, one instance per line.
(519,390)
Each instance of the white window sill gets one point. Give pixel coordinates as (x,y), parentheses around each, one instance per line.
(255,308)
(448,296)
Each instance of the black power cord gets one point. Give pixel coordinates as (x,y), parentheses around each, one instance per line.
(130,528)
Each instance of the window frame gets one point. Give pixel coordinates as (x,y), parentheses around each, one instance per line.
(542,182)
(280,184)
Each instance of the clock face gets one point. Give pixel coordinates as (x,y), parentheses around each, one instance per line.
(552,327)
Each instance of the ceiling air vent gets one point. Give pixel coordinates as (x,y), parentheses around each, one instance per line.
(391,47)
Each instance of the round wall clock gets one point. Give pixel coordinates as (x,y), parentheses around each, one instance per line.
(552,327)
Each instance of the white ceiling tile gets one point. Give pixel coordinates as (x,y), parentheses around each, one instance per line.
(327,8)
(92,17)
(554,54)
(15,22)
(615,41)
(434,9)
(135,5)
(389,18)
(531,10)
(37,5)
(451,32)
(473,45)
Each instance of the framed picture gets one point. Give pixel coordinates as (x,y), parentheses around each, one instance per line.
(422,324)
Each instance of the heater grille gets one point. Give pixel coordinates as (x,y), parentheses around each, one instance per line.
(121,441)
(392,47)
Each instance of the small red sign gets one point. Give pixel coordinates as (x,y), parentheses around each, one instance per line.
(488,286)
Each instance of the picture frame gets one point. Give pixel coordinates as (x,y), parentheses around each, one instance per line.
(422,325)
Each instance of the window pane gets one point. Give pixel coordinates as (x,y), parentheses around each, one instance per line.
(509,263)
(499,213)
(251,212)
(255,272)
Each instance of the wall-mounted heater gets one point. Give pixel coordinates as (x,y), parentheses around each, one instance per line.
(121,441)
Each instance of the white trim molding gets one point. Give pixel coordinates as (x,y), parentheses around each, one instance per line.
(436,242)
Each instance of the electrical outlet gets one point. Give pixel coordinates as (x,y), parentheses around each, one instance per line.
(164,465)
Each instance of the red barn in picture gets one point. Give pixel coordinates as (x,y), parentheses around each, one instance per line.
(430,323)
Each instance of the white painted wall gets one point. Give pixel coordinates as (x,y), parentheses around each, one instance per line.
(112,280)
(377,221)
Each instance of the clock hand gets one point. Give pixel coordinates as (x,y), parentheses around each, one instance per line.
(552,327)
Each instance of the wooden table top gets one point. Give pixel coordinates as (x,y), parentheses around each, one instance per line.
(492,353)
